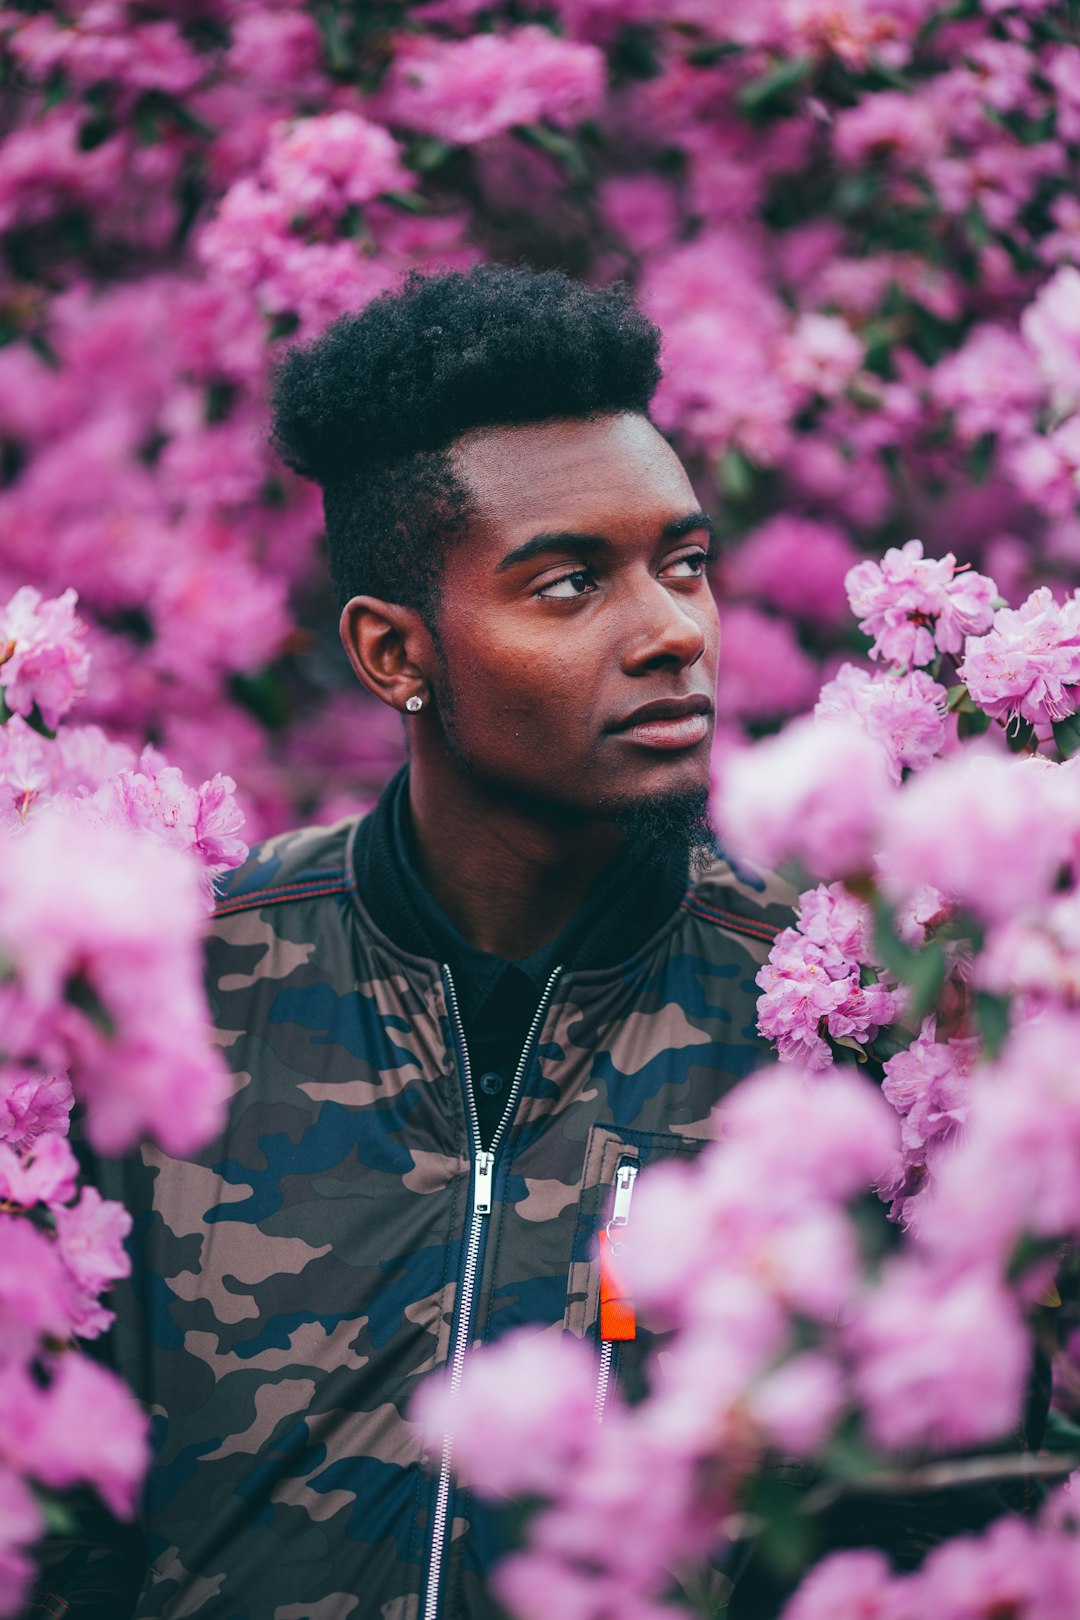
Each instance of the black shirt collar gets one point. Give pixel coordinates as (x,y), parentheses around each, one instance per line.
(630,902)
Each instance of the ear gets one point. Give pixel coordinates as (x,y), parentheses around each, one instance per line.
(389,648)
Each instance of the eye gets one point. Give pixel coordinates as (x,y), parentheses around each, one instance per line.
(567,586)
(691,566)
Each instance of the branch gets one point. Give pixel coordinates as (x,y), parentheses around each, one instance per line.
(944,1476)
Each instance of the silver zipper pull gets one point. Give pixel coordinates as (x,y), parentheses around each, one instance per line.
(484,1175)
(625,1176)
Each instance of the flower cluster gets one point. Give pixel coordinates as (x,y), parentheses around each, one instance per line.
(849,1270)
(106,871)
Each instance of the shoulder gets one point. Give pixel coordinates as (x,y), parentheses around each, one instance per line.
(741,900)
(307,864)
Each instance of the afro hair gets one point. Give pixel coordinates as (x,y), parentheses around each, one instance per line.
(369,409)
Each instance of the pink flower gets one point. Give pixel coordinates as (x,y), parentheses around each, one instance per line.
(522,1416)
(940,1360)
(798,1405)
(44,1175)
(990,384)
(797,565)
(119,918)
(849,1586)
(318,166)
(763,670)
(1028,664)
(42,659)
(91,1236)
(30,1103)
(91,1430)
(26,763)
(1014,1171)
(22,1522)
(35,1290)
(793,797)
(808,990)
(1006,1571)
(914,607)
(904,713)
(822,354)
(991,833)
(205,821)
(722,383)
(1051,325)
(905,128)
(466,91)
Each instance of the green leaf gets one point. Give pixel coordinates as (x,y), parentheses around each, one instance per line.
(5,712)
(972,724)
(926,980)
(786,1539)
(429,153)
(850,1045)
(557,145)
(887,1043)
(59,1521)
(36,723)
(959,700)
(410,202)
(1018,734)
(736,475)
(1067,735)
(757,96)
(992,1016)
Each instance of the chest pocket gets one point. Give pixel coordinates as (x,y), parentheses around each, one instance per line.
(608,1148)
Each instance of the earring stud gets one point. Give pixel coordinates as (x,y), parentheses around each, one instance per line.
(414,704)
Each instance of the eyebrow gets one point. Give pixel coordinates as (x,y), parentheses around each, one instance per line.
(591,545)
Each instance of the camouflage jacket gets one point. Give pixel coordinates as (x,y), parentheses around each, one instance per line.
(344,1239)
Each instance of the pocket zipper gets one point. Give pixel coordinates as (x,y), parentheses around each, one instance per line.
(625,1177)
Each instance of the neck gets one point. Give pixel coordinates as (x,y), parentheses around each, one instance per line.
(508,877)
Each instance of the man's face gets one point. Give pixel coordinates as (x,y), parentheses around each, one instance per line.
(577,632)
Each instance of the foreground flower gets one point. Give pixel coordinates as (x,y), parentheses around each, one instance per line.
(814,794)
(102,934)
(990,832)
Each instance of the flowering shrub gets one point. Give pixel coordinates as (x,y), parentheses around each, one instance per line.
(106,870)
(941,960)
(855,222)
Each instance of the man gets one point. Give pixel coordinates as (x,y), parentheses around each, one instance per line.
(457,1023)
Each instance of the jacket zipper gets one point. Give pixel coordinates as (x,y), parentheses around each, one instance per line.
(625,1177)
(482,1183)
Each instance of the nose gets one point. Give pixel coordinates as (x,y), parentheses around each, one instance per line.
(667,630)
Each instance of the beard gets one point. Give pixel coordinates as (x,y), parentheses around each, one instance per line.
(667,821)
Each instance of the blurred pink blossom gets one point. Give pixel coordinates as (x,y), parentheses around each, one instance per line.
(466,91)
(119,916)
(792,798)
(43,661)
(521,1426)
(796,564)
(763,671)
(1051,326)
(989,832)
(909,1337)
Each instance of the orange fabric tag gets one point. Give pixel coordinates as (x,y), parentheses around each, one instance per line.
(617,1318)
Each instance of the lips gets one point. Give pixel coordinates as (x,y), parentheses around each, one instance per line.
(668,723)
